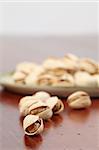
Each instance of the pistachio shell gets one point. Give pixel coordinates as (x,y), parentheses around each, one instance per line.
(72,57)
(79,100)
(57,72)
(96,77)
(70,64)
(25,99)
(30,120)
(88,65)
(64,81)
(46,79)
(76,95)
(84,79)
(52,101)
(24,109)
(55,104)
(19,76)
(53,63)
(41,109)
(31,79)
(26,67)
(43,96)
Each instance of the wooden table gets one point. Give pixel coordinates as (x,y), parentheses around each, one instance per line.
(72,129)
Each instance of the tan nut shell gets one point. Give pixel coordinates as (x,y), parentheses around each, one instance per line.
(43,96)
(72,57)
(25,99)
(46,114)
(31,79)
(88,65)
(18,76)
(84,79)
(53,63)
(52,101)
(64,81)
(56,72)
(79,100)
(98,68)
(24,108)
(96,76)
(70,65)
(26,67)
(33,76)
(46,79)
(31,119)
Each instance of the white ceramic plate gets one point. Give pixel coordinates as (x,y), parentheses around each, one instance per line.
(7,82)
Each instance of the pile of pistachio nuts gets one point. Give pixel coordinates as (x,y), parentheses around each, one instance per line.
(42,106)
(67,71)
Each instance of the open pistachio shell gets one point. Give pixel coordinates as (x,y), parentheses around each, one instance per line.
(24,109)
(46,79)
(79,100)
(41,109)
(33,125)
(55,104)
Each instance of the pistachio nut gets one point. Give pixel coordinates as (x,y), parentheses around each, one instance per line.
(79,100)
(84,79)
(55,104)
(41,95)
(89,66)
(41,109)
(33,125)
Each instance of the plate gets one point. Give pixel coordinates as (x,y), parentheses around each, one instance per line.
(7,82)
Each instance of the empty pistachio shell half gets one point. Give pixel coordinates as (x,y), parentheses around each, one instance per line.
(55,104)
(33,125)
(79,100)
(41,109)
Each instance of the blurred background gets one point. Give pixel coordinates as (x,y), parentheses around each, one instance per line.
(33,31)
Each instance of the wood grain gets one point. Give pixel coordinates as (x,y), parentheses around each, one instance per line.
(71,130)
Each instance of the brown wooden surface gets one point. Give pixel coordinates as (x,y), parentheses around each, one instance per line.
(71,130)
